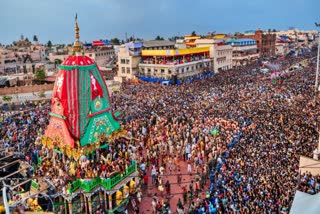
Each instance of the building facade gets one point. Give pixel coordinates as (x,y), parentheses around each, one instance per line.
(220,52)
(129,57)
(102,55)
(266,41)
(244,51)
(175,63)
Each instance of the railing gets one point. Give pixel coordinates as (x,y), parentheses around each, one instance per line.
(109,183)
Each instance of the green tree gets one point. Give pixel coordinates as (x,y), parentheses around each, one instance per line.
(40,74)
(49,44)
(115,41)
(42,94)
(6,98)
(193,33)
(35,38)
(57,62)
(159,38)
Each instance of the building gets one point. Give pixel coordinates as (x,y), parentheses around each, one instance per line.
(175,63)
(220,52)
(266,41)
(244,51)
(157,45)
(129,57)
(190,41)
(103,55)
(15,58)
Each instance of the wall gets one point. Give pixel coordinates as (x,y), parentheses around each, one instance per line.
(26,89)
(309,165)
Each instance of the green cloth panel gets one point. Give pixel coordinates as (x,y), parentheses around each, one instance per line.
(82,67)
(97,75)
(85,97)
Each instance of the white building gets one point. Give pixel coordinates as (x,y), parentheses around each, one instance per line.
(129,57)
(102,55)
(219,51)
(244,51)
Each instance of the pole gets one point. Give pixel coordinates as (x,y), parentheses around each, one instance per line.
(317,72)
(5,200)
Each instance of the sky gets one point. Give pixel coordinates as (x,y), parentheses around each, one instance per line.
(104,19)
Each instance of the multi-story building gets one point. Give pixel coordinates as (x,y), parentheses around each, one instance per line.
(266,41)
(244,51)
(16,57)
(220,52)
(129,57)
(175,63)
(102,55)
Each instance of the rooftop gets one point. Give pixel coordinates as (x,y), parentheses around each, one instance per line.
(157,43)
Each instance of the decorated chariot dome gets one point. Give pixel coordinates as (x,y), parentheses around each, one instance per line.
(81,111)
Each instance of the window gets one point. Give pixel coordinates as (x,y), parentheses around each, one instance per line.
(169,72)
(90,55)
(142,69)
(128,70)
(122,61)
(149,70)
(162,71)
(123,70)
(127,61)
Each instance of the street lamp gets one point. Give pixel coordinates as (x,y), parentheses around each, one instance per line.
(317,72)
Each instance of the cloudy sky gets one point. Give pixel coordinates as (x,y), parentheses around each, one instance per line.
(101,19)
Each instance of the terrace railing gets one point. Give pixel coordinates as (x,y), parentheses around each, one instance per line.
(107,183)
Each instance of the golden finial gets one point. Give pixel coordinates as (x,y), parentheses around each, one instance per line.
(77,46)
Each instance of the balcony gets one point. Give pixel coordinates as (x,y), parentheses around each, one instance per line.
(171,64)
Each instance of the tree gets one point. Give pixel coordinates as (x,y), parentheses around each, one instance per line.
(49,44)
(57,62)
(40,74)
(159,38)
(6,98)
(193,33)
(35,38)
(42,94)
(115,41)
(174,38)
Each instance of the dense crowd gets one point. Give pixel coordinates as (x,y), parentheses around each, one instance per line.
(263,125)
(239,133)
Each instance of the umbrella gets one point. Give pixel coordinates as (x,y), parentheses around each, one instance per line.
(83,158)
(214,132)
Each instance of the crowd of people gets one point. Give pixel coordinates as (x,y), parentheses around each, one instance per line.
(263,128)
(239,134)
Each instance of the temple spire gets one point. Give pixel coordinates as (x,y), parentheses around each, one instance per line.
(77,46)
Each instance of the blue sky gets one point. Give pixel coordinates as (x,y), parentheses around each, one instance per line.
(100,19)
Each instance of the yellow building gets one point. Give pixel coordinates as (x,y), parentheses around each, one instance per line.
(171,63)
(190,40)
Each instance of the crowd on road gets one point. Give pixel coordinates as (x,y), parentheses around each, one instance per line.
(263,126)
(238,133)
